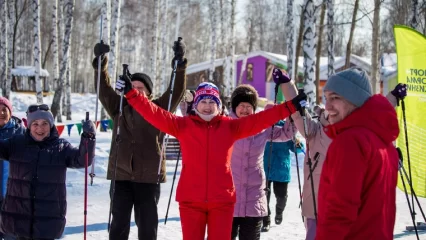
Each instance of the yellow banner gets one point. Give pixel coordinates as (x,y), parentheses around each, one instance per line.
(411,53)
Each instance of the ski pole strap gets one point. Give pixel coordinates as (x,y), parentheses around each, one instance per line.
(316,157)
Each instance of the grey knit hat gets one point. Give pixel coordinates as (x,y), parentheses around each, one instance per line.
(352,84)
(40,114)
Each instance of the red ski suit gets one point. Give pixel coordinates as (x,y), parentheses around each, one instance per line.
(357,190)
(206,192)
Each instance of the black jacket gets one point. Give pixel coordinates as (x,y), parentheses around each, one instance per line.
(35,203)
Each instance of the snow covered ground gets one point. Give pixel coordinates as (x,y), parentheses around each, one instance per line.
(98,194)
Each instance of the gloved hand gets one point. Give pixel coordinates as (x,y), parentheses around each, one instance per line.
(189,96)
(400,91)
(179,48)
(124,84)
(280,76)
(89,129)
(300,101)
(100,49)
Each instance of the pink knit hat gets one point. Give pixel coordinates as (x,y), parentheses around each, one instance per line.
(6,102)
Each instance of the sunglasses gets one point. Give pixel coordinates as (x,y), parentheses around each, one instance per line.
(33,108)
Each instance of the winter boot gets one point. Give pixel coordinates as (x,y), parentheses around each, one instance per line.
(266,224)
(279,209)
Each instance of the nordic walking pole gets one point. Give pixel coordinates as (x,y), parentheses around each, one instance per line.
(400,168)
(117,141)
(166,138)
(305,126)
(408,156)
(270,147)
(92,171)
(297,165)
(171,191)
(85,183)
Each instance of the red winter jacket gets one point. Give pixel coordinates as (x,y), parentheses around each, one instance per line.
(206,147)
(356,198)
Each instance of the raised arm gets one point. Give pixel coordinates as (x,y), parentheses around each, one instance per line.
(155,115)
(108,97)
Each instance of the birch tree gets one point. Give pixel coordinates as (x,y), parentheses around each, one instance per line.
(351,35)
(375,74)
(37,56)
(318,53)
(10,47)
(290,37)
(212,14)
(232,41)
(414,14)
(309,47)
(164,47)
(3,43)
(67,105)
(69,9)
(106,15)
(330,36)
(115,25)
(154,30)
(223,37)
(299,42)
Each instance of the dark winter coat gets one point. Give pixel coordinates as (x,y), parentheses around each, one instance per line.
(207,146)
(16,126)
(140,142)
(35,203)
(357,191)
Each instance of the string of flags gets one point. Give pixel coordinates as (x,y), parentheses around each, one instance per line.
(104,125)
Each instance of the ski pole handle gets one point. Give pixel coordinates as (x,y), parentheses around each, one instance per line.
(87,116)
(302,109)
(125,69)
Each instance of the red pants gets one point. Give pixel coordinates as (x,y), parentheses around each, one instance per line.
(217,216)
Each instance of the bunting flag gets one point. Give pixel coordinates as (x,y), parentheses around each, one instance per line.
(411,53)
(60,129)
(105,125)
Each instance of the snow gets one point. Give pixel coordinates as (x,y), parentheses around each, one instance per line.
(28,71)
(98,194)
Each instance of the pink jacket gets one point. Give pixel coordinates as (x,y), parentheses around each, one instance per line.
(248,172)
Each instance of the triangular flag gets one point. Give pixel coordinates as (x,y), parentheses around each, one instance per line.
(69,126)
(110,124)
(97,124)
(104,125)
(60,129)
(79,125)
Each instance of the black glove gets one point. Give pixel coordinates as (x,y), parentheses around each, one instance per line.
(300,101)
(89,129)
(100,49)
(179,48)
(124,83)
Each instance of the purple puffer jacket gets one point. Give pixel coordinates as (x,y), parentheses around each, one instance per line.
(248,173)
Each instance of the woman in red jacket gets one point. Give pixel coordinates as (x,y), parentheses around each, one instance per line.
(206,192)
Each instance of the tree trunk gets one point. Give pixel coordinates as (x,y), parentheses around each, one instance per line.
(212,13)
(154,31)
(330,36)
(67,105)
(3,45)
(36,34)
(164,47)
(69,7)
(318,54)
(106,31)
(115,25)
(299,44)
(10,47)
(375,74)
(290,37)
(309,47)
(414,22)
(223,37)
(351,35)
(55,23)
(232,77)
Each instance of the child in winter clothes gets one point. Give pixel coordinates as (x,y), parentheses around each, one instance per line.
(247,167)
(206,193)
(278,167)
(9,126)
(319,142)
(35,202)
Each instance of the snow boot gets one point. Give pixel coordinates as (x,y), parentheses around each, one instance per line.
(266,224)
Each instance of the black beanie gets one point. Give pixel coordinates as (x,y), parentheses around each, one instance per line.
(145,79)
(244,93)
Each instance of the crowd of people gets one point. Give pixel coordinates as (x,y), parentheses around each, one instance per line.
(232,161)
